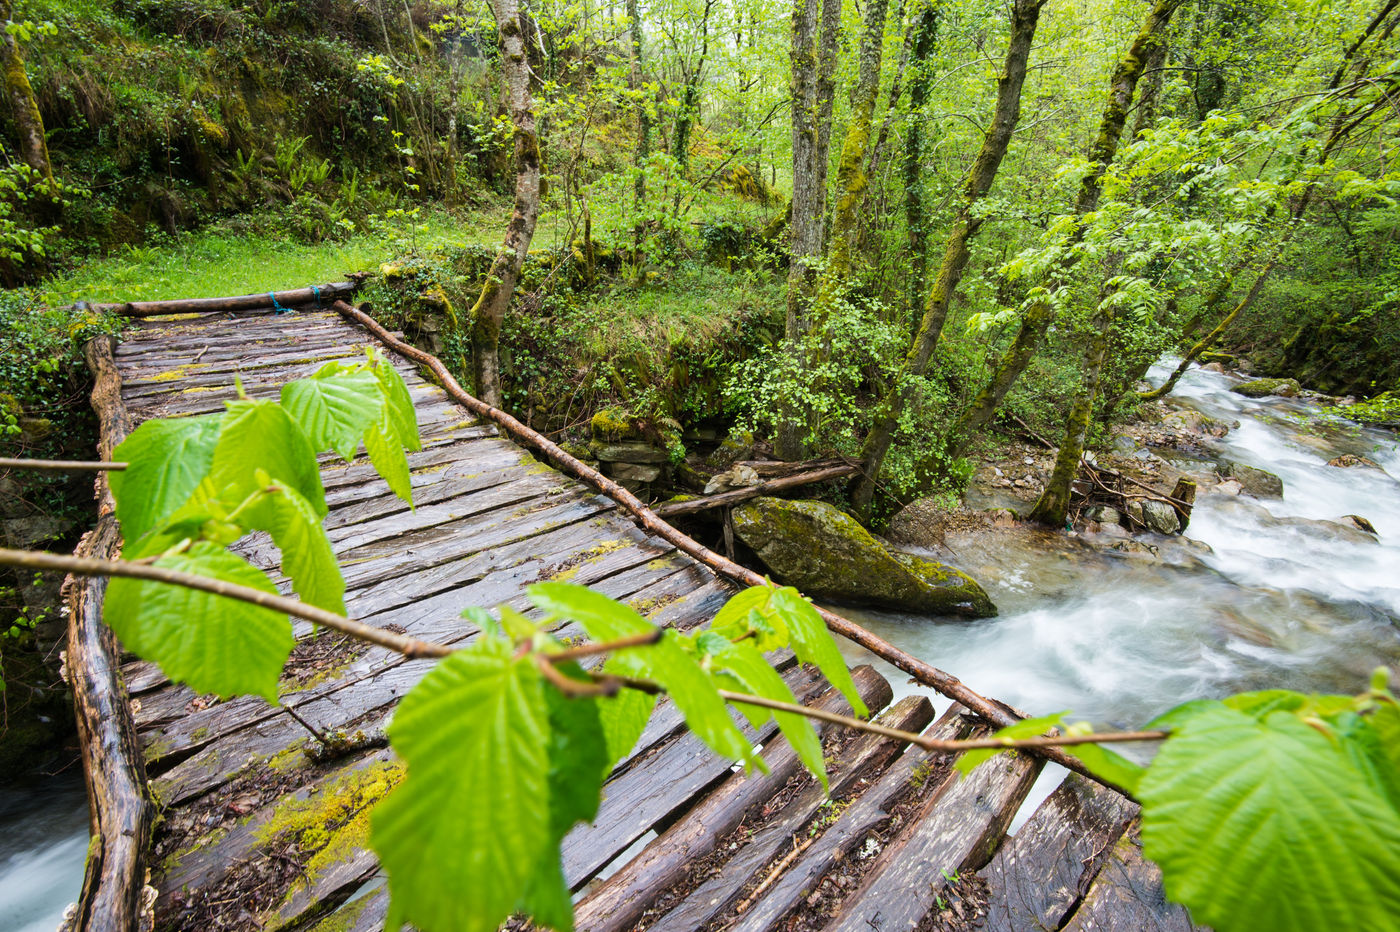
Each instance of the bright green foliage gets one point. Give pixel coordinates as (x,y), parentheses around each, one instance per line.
(474,824)
(1278,811)
(335,408)
(196,485)
(783,618)
(166,459)
(665,662)
(213,643)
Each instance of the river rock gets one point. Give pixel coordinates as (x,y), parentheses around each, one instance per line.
(1348,460)
(627,451)
(1160,517)
(739,445)
(826,553)
(1103,514)
(1257,482)
(1258,388)
(1362,523)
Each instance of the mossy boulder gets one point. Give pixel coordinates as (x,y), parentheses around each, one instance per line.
(1259,388)
(827,554)
(615,424)
(1257,482)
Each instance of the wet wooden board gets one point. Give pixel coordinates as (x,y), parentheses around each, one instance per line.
(1127,896)
(1039,877)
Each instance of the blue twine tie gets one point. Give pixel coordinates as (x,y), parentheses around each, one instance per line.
(277,308)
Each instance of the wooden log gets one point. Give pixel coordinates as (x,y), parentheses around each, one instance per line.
(734,496)
(778,830)
(1127,896)
(1038,878)
(956,830)
(120,807)
(1184,493)
(247,302)
(923,672)
(837,841)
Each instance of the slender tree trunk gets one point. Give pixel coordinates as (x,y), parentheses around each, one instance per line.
(1037,318)
(490,311)
(1024,18)
(635,79)
(923,41)
(33,145)
(690,96)
(813,70)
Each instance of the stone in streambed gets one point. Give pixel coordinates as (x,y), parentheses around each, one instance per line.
(1258,388)
(826,553)
(1257,482)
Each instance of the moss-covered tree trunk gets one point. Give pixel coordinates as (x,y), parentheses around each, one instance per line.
(1025,15)
(635,80)
(1036,319)
(33,145)
(922,42)
(689,110)
(490,311)
(813,70)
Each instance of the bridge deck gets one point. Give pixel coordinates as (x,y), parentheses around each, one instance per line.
(257,833)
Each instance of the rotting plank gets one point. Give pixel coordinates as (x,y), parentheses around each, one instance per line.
(661,783)
(1127,896)
(1038,877)
(744,801)
(913,771)
(956,830)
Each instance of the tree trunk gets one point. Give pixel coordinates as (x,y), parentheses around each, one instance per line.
(813,70)
(33,145)
(1024,18)
(923,40)
(690,97)
(635,79)
(490,311)
(1038,317)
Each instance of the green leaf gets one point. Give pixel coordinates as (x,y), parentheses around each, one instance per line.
(813,643)
(578,753)
(1267,824)
(213,643)
(624,717)
(335,409)
(746,663)
(398,405)
(166,459)
(466,834)
(665,662)
(751,611)
(1026,728)
(1111,766)
(307,557)
(389,461)
(260,435)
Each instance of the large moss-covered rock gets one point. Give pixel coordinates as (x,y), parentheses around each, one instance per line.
(1258,388)
(827,554)
(1257,482)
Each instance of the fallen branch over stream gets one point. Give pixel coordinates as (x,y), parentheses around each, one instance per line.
(734,496)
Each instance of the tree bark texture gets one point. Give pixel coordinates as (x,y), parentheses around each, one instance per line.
(1025,16)
(489,313)
(635,79)
(33,145)
(1037,318)
(923,41)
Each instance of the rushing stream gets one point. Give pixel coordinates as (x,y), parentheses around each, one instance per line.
(1286,595)
(1278,599)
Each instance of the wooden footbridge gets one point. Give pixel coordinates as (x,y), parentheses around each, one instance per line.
(257,829)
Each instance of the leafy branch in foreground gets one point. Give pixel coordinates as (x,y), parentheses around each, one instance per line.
(1265,811)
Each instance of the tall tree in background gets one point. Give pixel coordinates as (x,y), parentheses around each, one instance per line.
(1036,318)
(33,145)
(1025,15)
(490,311)
(1053,503)
(813,82)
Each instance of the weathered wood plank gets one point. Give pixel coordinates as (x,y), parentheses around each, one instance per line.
(956,830)
(1038,877)
(659,784)
(1127,896)
(745,801)
(914,771)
